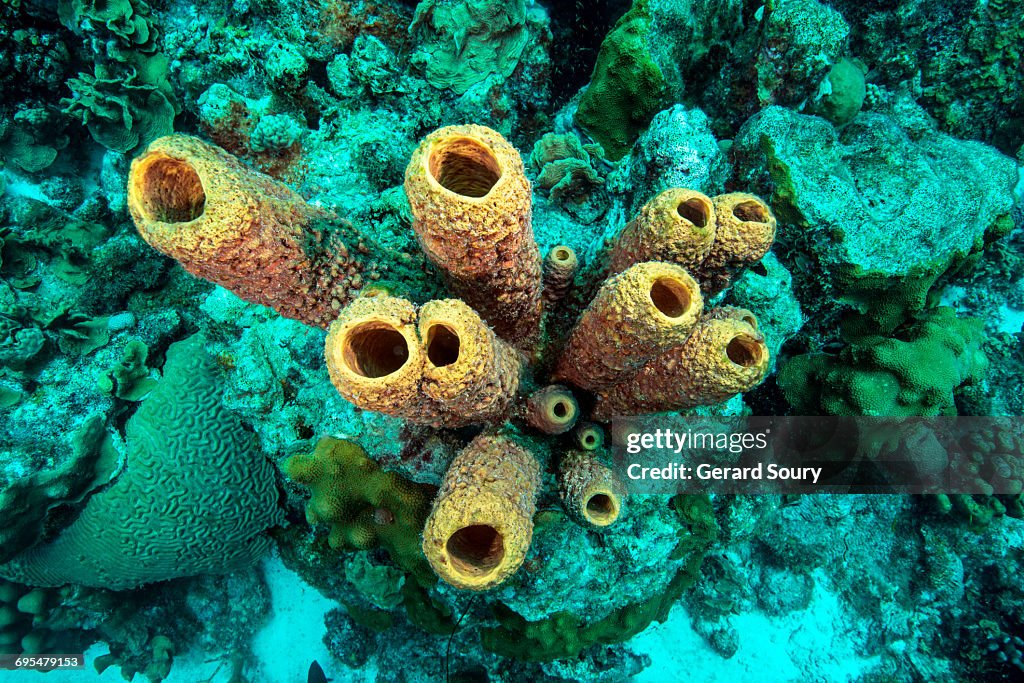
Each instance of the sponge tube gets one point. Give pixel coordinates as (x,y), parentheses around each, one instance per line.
(646,309)
(242,230)
(481,524)
(725,355)
(471,202)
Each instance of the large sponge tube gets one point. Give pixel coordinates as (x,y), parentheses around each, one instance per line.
(374,357)
(469,373)
(242,230)
(637,314)
(745,232)
(677,226)
(481,523)
(439,365)
(471,202)
(724,355)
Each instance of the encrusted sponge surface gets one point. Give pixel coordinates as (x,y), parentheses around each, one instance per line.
(492,483)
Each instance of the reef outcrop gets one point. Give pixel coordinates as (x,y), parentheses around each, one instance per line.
(640,342)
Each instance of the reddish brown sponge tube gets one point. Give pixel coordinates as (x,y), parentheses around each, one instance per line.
(242,230)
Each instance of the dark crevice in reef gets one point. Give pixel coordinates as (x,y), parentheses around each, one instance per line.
(578,27)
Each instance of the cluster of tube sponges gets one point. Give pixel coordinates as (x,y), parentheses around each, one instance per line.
(645,342)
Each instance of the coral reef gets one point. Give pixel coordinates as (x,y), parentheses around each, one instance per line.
(793,160)
(440,365)
(458,361)
(961,59)
(465,41)
(678,149)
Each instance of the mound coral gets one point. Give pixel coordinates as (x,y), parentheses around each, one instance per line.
(363,505)
(913,373)
(640,343)
(626,88)
(845,197)
(187,455)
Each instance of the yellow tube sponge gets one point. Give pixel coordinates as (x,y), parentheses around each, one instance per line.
(469,374)
(481,523)
(560,266)
(637,314)
(677,226)
(745,233)
(591,493)
(440,365)
(724,356)
(552,410)
(589,436)
(241,229)
(374,357)
(471,202)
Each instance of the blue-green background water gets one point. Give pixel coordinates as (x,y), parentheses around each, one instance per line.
(148,515)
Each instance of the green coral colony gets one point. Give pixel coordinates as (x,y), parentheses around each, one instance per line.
(352,292)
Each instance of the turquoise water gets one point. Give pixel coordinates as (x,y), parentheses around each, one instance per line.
(319,321)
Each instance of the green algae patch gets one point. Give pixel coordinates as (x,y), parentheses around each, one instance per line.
(363,505)
(626,89)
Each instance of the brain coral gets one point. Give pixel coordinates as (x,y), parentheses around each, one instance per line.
(196,494)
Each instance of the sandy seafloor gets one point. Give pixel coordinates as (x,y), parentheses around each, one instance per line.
(771,649)
(819,643)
